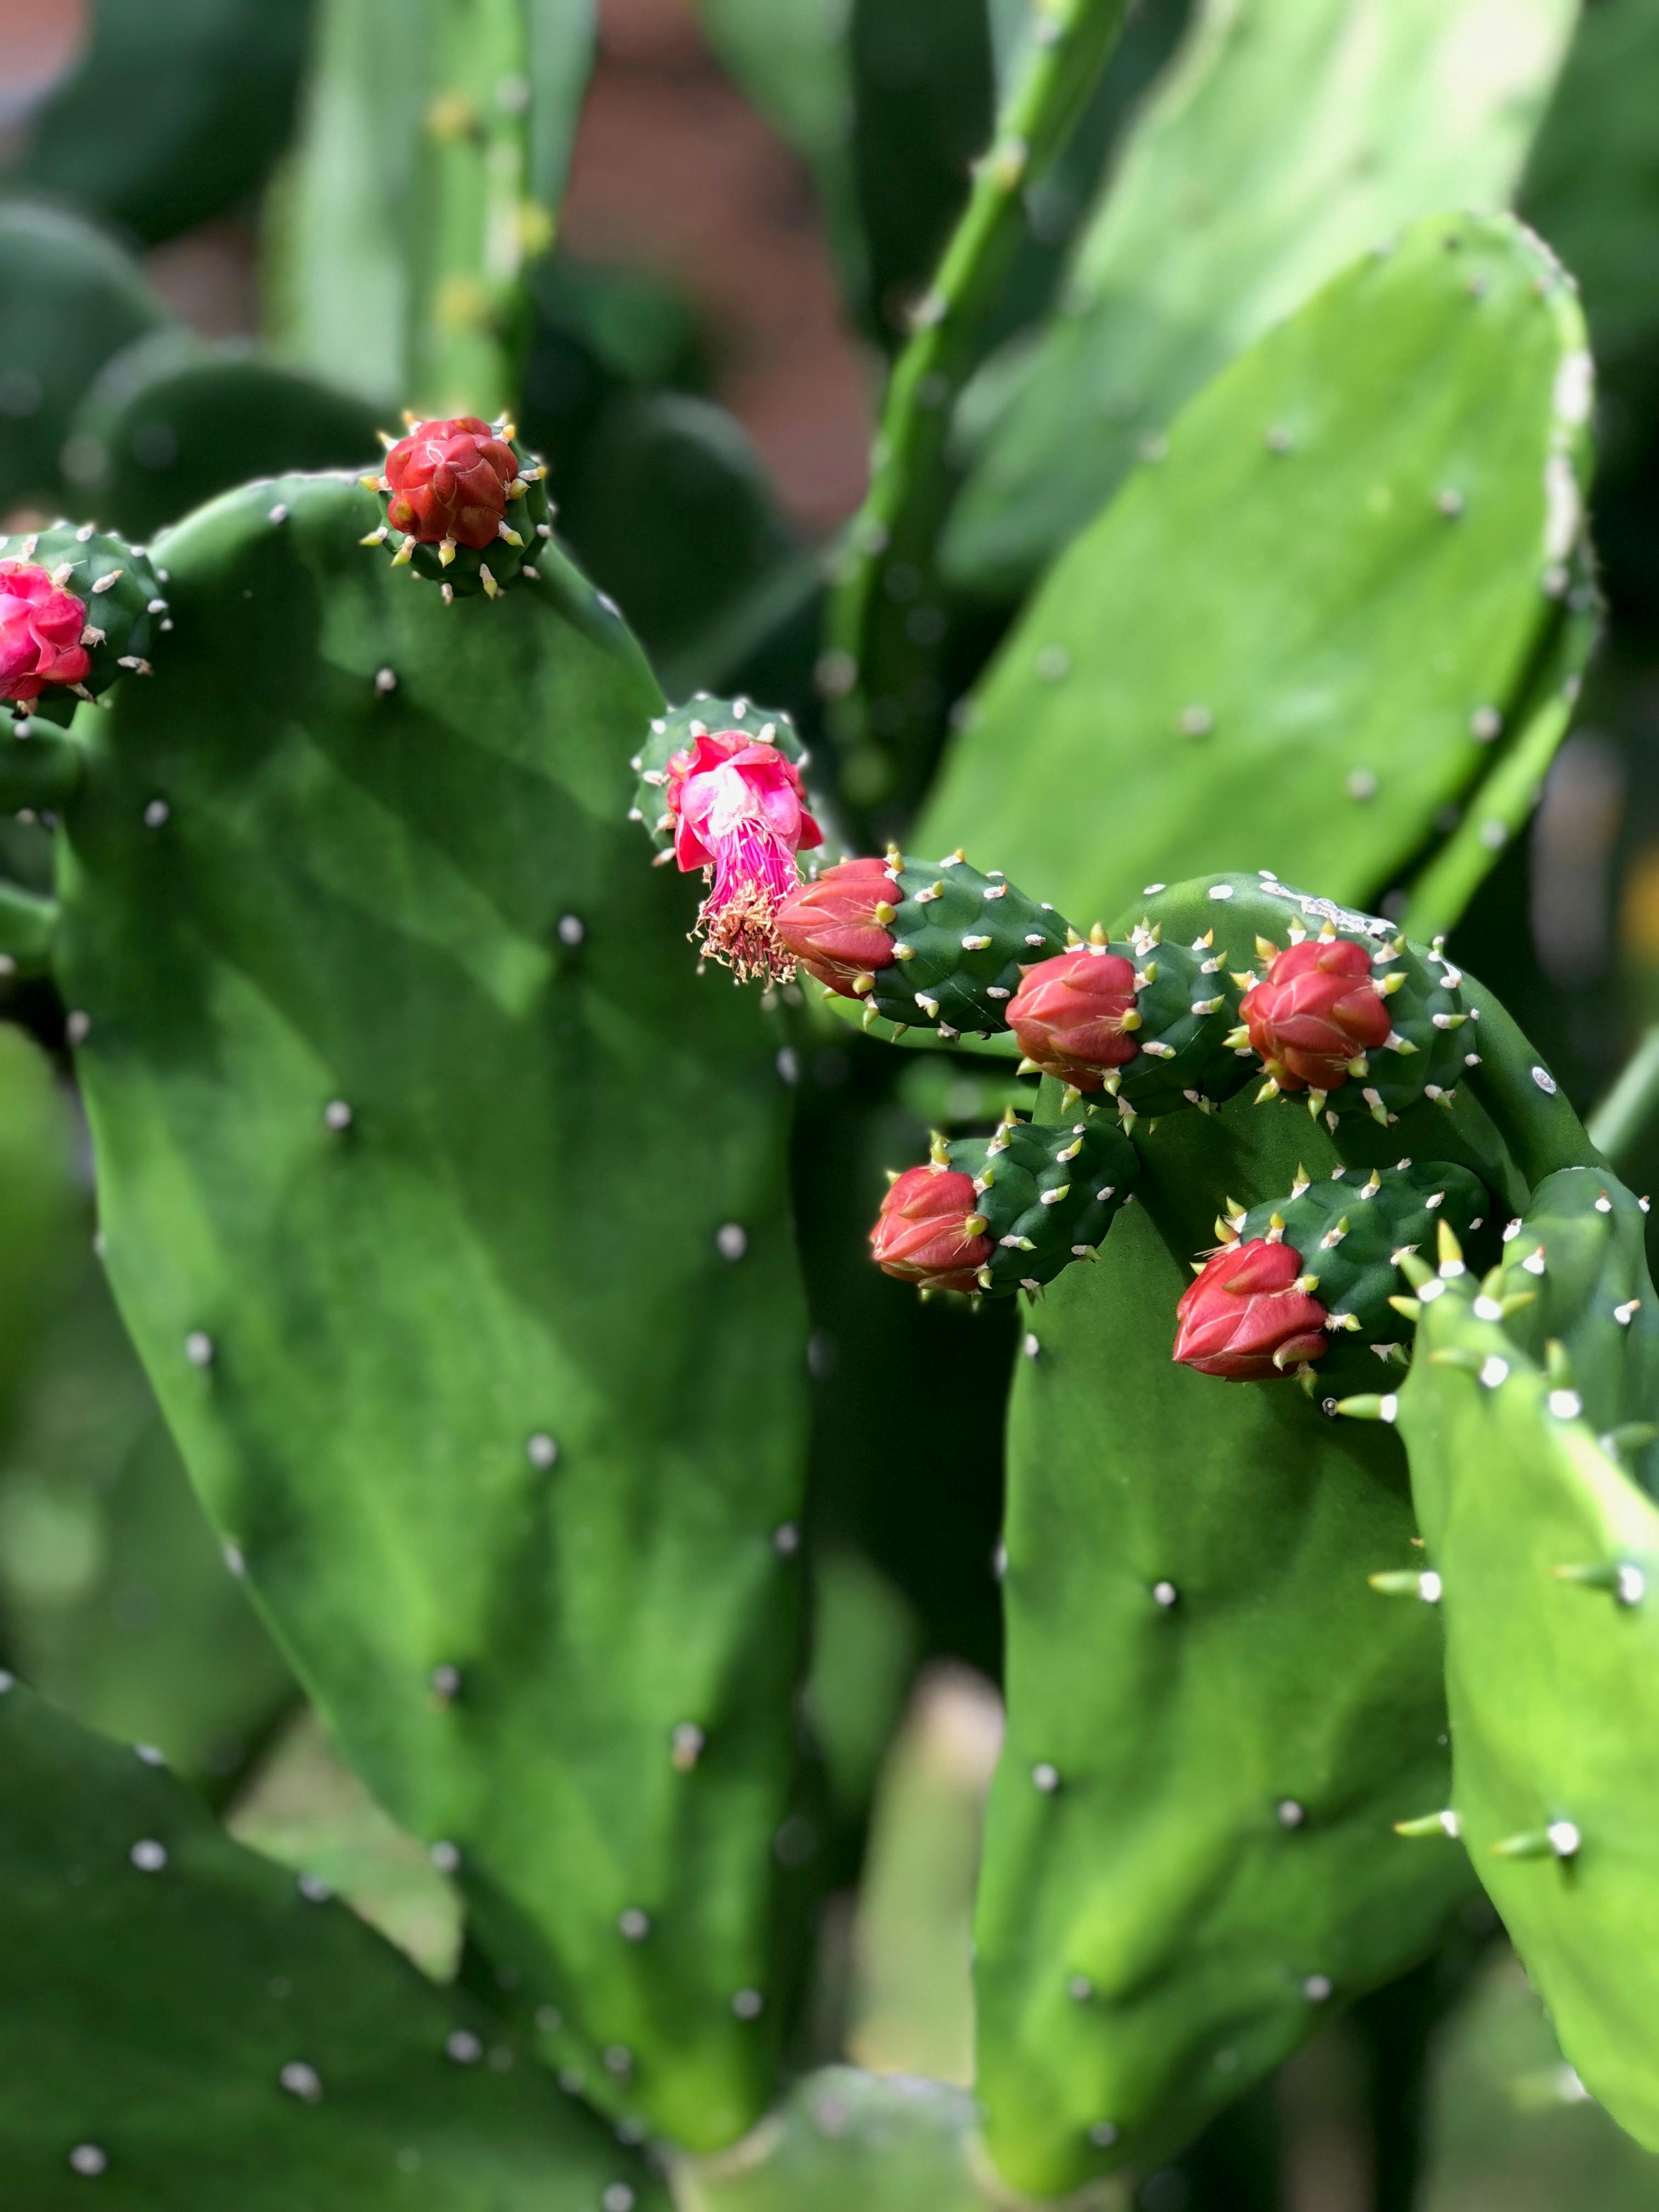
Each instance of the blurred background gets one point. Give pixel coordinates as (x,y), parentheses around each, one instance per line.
(738,253)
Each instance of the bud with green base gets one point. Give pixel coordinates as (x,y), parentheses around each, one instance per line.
(1146,1022)
(1354,1026)
(123,614)
(1041,1198)
(1355,1232)
(465,505)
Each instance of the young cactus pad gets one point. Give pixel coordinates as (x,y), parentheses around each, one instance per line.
(1352,1229)
(960,941)
(197,2028)
(1547,1555)
(1579,1255)
(391,1098)
(1047,1196)
(124,603)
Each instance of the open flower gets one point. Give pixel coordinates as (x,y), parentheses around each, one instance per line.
(1247,1317)
(1314,1012)
(40,630)
(929,1230)
(837,926)
(449,481)
(739,812)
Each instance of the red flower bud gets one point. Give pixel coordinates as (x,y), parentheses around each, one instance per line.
(929,1232)
(834,925)
(41,628)
(1073,1015)
(449,480)
(1315,1010)
(1244,1319)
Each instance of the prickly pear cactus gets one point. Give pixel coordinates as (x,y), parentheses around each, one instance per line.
(392,1097)
(1546,1555)
(1166,1910)
(198,2027)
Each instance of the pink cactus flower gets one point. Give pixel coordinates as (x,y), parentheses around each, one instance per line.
(40,628)
(739,813)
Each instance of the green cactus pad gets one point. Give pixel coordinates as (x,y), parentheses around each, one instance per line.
(124,596)
(69,298)
(195,2030)
(1048,1196)
(428,1176)
(1300,636)
(961,940)
(468,573)
(1352,1229)
(1548,1560)
(1278,146)
(170,424)
(676,729)
(1170,1904)
(1578,1254)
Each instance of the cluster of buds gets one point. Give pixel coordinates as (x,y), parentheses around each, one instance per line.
(447,487)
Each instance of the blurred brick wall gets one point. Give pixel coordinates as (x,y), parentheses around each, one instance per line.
(676,174)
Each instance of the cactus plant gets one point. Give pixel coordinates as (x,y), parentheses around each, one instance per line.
(511,1399)
(499,1270)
